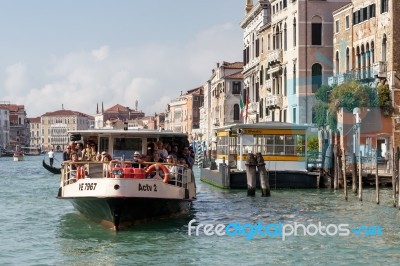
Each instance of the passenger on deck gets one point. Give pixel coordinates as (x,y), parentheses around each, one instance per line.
(137,161)
(67,154)
(173,170)
(91,154)
(106,159)
(156,158)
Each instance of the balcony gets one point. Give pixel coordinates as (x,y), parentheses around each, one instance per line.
(362,74)
(380,69)
(274,101)
(253,108)
(275,56)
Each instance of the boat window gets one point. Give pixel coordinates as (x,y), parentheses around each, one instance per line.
(124,147)
(103,144)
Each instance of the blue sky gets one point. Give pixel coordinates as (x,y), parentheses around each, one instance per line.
(80,53)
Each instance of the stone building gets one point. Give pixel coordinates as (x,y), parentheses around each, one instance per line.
(365,38)
(183,113)
(287,56)
(19,133)
(55,126)
(116,114)
(4,128)
(256,16)
(35,128)
(222,98)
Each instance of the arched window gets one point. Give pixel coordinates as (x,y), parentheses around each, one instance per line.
(284,82)
(347,59)
(316,79)
(277,38)
(262,45)
(236,112)
(368,60)
(316,31)
(363,72)
(262,108)
(384,44)
(372,53)
(294,79)
(294,32)
(337,63)
(262,75)
(284,37)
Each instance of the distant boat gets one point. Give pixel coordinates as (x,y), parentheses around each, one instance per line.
(30,151)
(51,169)
(18,156)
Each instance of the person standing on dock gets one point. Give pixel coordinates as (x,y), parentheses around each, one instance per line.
(51,157)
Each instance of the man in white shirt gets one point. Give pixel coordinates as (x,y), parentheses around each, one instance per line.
(51,157)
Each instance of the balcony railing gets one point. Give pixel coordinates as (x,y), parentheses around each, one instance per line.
(275,56)
(362,74)
(254,107)
(273,101)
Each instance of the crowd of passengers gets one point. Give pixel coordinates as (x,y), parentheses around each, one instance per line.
(161,152)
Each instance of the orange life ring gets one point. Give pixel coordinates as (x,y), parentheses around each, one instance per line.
(80,172)
(158,166)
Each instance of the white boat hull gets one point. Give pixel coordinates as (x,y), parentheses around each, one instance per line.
(122,202)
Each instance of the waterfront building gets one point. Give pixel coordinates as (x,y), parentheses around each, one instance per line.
(4,128)
(365,34)
(19,133)
(35,128)
(183,113)
(116,113)
(55,126)
(256,16)
(222,99)
(287,57)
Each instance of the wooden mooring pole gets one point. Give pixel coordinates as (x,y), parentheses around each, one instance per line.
(376,179)
(359,177)
(354,173)
(344,174)
(394,182)
(264,178)
(398,175)
(251,174)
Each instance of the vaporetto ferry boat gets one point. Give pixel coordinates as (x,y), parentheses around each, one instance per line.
(282,146)
(122,192)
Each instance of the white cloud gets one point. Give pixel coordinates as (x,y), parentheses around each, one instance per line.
(153,74)
(15,80)
(101,53)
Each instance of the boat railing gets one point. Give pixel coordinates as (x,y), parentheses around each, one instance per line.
(73,171)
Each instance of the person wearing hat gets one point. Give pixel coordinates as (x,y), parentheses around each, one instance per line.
(137,160)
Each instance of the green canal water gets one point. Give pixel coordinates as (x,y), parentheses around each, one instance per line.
(38,229)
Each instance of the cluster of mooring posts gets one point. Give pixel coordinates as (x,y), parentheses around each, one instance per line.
(334,167)
(254,163)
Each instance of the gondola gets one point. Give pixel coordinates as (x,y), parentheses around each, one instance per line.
(51,169)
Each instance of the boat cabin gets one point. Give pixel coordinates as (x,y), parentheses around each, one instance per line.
(121,144)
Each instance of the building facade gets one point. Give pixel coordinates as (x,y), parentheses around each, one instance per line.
(287,56)
(183,114)
(114,114)
(35,128)
(4,128)
(55,127)
(19,132)
(365,38)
